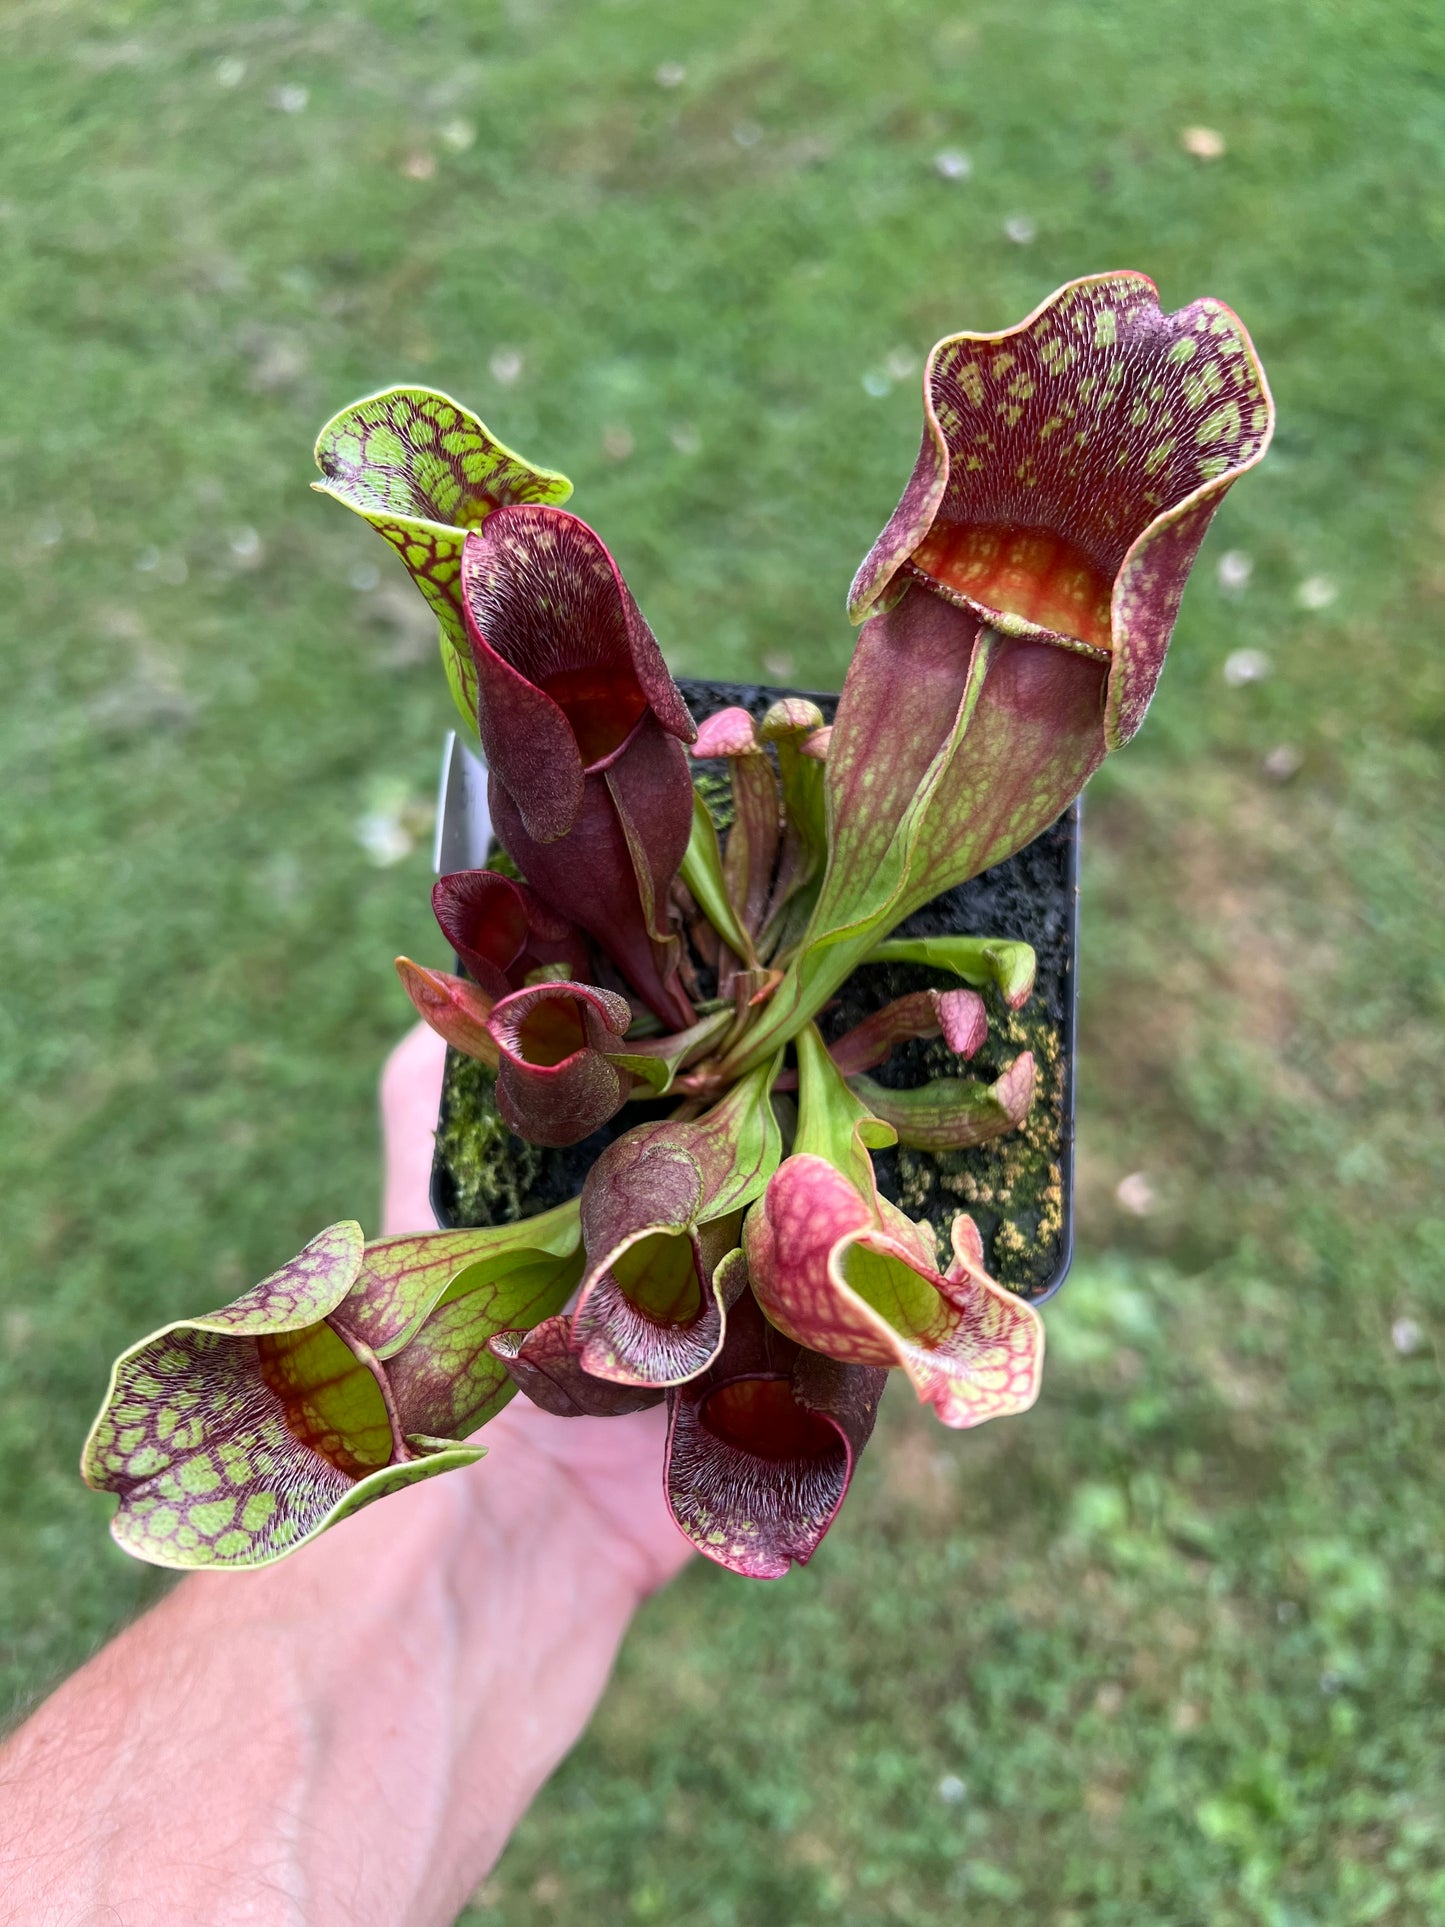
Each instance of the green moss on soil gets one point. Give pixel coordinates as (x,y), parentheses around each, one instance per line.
(491,1170)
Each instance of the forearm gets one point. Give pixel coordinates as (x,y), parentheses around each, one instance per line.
(348,1738)
(381,1708)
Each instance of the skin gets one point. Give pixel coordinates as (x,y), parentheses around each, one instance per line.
(349,1736)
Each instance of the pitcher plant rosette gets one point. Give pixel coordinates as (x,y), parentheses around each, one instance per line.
(731,1254)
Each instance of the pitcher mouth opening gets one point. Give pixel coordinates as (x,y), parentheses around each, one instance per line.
(1026,582)
(551,1034)
(603,704)
(760,1416)
(658,1277)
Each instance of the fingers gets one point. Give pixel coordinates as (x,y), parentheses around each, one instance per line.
(411,1084)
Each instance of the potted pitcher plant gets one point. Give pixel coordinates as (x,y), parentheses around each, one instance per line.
(758,1090)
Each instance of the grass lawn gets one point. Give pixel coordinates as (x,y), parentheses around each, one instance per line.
(1169,1650)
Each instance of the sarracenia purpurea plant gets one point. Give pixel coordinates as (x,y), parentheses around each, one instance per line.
(732,1254)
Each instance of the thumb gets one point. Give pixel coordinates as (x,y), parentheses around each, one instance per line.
(411,1084)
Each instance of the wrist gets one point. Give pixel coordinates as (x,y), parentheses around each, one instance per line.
(455,1653)
(385,1705)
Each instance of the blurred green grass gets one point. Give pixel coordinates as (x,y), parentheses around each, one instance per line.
(1170,1649)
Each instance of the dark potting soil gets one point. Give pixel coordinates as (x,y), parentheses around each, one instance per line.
(1018,1189)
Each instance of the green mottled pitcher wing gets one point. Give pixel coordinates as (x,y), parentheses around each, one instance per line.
(448,1381)
(401,1279)
(423,471)
(415,455)
(304,1290)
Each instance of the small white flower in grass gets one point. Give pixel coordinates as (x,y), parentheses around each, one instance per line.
(458,135)
(230,71)
(383,838)
(952,1791)
(900,365)
(684,438)
(277,362)
(419,166)
(1204,143)
(780,666)
(291,99)
(952,165)
(1282,762)
(1020,230)
(670,74)
(506,366)
(1406,1336)
(245,544)
(1136,1194)
(877,383)
(388,830)
(1244,666)
(1234,569)
(1316,592)
(148,560)
(364,577)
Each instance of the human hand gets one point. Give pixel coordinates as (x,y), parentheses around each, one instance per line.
(613,1466)
(350,1735)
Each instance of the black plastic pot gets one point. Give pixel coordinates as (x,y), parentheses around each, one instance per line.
(1019,1189)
